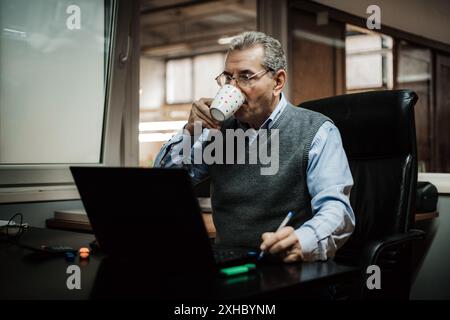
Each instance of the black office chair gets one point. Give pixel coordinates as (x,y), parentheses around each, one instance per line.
(379,138)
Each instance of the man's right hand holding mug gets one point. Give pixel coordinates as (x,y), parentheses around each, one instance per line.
(200,112)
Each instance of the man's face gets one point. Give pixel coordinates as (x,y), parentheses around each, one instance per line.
(260,96)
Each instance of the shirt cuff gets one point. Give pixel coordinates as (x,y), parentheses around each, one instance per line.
(309,243)
(160,160)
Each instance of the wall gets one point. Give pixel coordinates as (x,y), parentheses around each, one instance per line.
(428,19)
(433,277)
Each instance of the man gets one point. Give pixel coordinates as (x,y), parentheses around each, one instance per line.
(313,179)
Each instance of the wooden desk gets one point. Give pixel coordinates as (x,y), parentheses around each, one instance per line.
(86,227)
(207,219)
(426,216)
(27,274)
(209,223)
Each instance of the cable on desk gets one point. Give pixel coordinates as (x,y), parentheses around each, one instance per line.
(20,228)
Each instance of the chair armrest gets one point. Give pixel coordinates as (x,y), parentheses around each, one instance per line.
(374,248)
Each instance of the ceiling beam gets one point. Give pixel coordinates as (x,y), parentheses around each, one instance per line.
(175,6)
(197,12)
(209,34)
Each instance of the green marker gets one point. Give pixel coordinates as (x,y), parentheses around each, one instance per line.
(231,271)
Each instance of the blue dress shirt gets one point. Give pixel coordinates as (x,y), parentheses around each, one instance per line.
(329,183)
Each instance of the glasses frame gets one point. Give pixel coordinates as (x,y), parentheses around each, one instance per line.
(231,78)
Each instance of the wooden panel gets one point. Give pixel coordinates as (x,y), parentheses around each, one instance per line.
(317,57)
(313,70)
(442,120)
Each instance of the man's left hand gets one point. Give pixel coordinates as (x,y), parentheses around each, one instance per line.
(284,242)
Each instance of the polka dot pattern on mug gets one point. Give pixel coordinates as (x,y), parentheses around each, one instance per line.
(227,101)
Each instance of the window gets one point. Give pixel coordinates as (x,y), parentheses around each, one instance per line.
(182,51)
(414,73)
(52,92)
(206,69)
(192,78)
(186,80)
(55,102)
(179,81)
(369,63)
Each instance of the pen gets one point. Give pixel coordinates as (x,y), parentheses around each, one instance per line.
(282,225)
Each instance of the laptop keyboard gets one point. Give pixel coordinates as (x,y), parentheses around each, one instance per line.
(225,255)
(229,257)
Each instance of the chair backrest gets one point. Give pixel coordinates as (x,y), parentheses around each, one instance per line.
(379,138)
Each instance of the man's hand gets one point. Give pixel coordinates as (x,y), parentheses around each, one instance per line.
(200,112)
(284,242)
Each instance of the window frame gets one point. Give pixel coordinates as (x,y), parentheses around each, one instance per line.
(42,182)
(383,52)
(191,59)
(166,61)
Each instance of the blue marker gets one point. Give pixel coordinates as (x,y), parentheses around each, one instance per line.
(282,225)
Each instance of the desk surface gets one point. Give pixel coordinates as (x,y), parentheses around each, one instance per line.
(24,274)
(207,219)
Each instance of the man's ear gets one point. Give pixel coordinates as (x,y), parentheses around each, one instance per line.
(280,81)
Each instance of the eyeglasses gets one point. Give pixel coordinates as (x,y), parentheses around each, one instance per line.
(242,79)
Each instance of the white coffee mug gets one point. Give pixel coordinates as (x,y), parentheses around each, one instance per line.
(227,101)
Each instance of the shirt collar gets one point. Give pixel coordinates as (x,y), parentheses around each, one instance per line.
(275,113)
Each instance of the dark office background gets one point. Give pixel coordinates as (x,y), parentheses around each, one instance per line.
(432,256)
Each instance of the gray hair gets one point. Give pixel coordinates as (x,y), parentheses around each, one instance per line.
(274,58)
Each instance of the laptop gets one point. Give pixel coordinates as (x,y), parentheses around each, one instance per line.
(152,214)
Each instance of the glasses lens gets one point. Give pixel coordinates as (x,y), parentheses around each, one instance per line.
(221,80)
(244,80)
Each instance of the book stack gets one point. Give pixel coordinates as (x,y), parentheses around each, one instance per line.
(76,220)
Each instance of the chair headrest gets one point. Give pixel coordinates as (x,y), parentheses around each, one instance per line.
(373,124)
